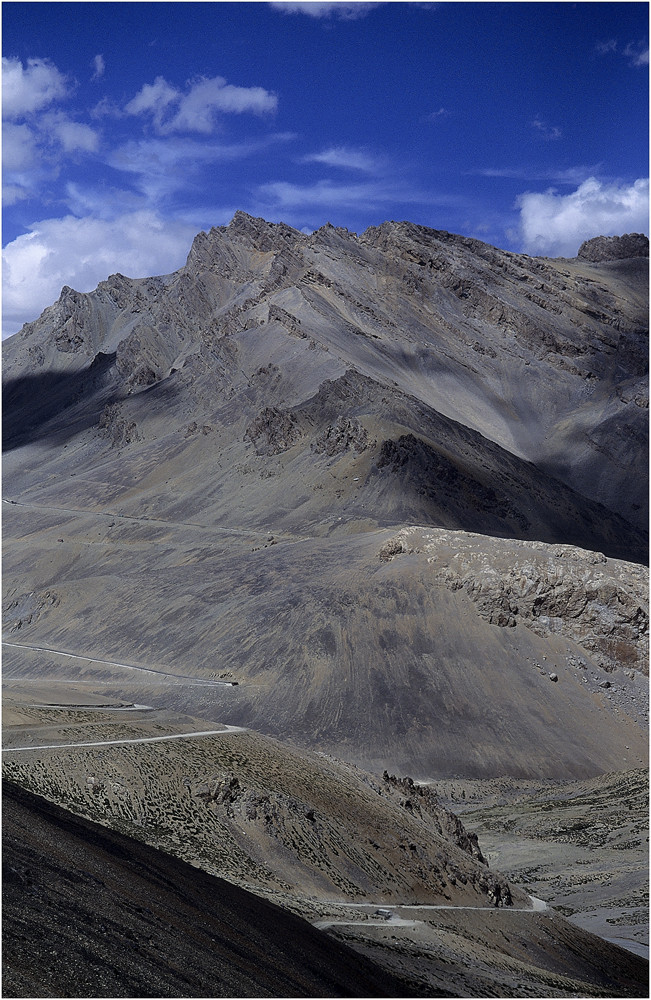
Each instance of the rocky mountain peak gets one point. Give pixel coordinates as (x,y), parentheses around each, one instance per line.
(243,230)
(262,235)
(604,248)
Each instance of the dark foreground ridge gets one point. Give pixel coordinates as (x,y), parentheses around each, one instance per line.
(90,913)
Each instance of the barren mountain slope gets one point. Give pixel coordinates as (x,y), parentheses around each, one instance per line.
(88,912)
(425,651)
(205,470)
(319,837)
(380,496)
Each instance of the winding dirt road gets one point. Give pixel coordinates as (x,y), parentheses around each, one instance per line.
(139,739)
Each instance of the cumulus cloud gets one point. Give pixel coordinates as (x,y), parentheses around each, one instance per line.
(195,111)
(153,98)
(82,252)
(556,225)
(30,88)
(36,135)
(341,156)
(342,10)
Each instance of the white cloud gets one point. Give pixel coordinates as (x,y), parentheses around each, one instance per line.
(18,146)
(283,197)
(82,252)
(99,66)
(72,136)
(571,175)
(556,225)
(107,108)
(549,132)
(343,10)
(195,111)
(25,90)
(637,55)
(604,48)
(341,156)
(326,194)
(154,98)
(161,166)
(12,193)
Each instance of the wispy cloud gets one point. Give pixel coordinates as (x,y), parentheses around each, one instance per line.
(196,110)
(635,53)
(548,132)
(437,115)
(343,11)
(99,66)
(279,196)
(344,157)
(605,47)
(556,224)
(164,165)
(570,175)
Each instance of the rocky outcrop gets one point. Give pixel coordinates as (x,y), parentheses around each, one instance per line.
(600,603)
(273,431)
(344,435)
(310,834)
(422,800)
(603,248)
(117,427)
(20,612)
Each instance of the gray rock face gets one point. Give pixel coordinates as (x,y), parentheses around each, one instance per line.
(602,248)
(601,604)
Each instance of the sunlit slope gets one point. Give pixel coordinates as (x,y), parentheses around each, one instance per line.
(427,651)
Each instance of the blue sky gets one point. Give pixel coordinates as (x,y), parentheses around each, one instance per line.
(128,127)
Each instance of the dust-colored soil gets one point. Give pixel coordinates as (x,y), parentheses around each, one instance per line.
(390,662)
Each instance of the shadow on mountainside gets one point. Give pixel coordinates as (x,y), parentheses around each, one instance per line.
(32,402)
(503,496)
